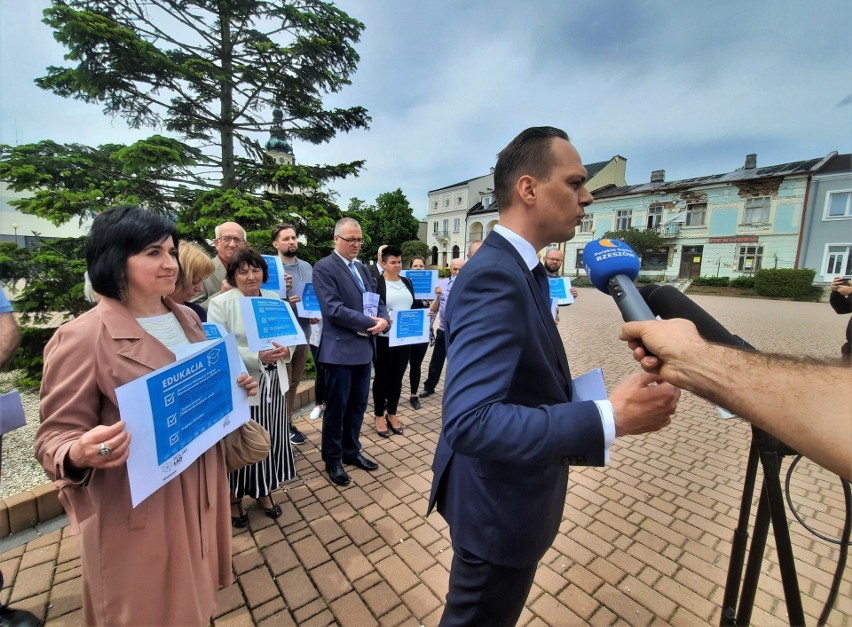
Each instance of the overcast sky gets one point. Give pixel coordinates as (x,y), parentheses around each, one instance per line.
(687,87)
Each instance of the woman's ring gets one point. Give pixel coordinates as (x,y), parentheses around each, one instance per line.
(104,450)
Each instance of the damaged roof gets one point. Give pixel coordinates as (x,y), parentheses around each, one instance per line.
(809,166)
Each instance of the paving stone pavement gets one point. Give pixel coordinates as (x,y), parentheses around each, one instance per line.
(644,541)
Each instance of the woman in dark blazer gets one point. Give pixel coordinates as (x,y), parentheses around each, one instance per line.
(391,361)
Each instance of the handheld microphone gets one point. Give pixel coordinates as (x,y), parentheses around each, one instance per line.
(612,266)
(668,302)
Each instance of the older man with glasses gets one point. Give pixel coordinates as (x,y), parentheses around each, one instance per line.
(230,237)
(352,314)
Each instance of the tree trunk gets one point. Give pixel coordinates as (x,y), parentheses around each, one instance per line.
(226,98)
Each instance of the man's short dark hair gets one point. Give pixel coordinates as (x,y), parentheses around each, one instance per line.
(391,251)
(117,234)
(528,154)
(245,257)
(282,227)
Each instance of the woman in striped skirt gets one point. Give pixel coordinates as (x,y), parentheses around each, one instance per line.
(246,271)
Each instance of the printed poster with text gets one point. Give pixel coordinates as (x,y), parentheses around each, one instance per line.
(269,320)
(560,289)
(276,280)
(409,326)
(423,281)
(176,413)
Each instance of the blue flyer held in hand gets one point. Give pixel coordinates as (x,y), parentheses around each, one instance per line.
(178,394)
(424,282)
(269,320)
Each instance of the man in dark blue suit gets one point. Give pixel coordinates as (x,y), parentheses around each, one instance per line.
(510,428)
(346,349)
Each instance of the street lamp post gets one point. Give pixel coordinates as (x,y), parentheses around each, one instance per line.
(15,228)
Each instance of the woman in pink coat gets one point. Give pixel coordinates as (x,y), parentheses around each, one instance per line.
(162,562)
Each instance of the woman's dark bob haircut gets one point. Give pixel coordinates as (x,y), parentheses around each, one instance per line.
(391,250)
(245,257)
(119,233)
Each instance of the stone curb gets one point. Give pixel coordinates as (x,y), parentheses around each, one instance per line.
(38,505)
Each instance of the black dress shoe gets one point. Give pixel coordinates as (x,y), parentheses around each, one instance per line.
(415,402)
(272,512)
(337,474)
(397,430)
(18,618)
(382,432)
(241,519)
(426,393)
(361,461)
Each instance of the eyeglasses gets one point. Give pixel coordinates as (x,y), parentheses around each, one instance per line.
(351,240)
(231,240)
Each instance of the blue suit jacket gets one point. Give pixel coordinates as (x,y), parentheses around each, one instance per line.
(509,429)
(344,326)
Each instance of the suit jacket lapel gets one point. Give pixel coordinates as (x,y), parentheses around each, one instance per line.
(366,276)
(345,267)
(141,347)
(541,302)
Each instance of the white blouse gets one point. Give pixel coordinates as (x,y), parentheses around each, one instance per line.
(165,328)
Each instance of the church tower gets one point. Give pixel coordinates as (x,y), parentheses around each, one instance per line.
(278,147)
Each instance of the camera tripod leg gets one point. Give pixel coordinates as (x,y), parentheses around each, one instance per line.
(770,508)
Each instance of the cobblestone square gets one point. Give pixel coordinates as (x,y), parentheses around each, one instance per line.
(643,541)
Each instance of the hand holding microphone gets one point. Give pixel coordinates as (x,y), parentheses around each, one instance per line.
(679,339)
(669,340)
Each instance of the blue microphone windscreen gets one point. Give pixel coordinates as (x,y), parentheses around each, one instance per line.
(605,258)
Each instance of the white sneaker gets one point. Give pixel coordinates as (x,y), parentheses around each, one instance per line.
(316,412)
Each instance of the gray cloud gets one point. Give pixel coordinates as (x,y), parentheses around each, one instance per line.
(686,87)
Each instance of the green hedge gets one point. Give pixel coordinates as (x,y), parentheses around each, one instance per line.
(644,279)
(784,283)
(712,281)
(743,282)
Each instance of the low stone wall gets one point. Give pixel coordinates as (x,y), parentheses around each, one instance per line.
(29,508)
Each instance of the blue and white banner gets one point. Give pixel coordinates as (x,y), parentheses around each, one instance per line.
(409,326)
(424,282)
(178,412)
(269,320)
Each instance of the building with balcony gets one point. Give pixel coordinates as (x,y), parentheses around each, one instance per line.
(728,224)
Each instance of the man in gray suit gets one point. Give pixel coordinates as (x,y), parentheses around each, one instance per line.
(347,347)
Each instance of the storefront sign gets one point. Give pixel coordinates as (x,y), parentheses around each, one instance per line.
(734,239)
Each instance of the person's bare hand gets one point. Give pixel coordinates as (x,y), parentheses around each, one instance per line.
(247,383)
(381,325)
(841,285)
(85,452)
(288,281)
(642,403)
(274,354)
(670,340)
